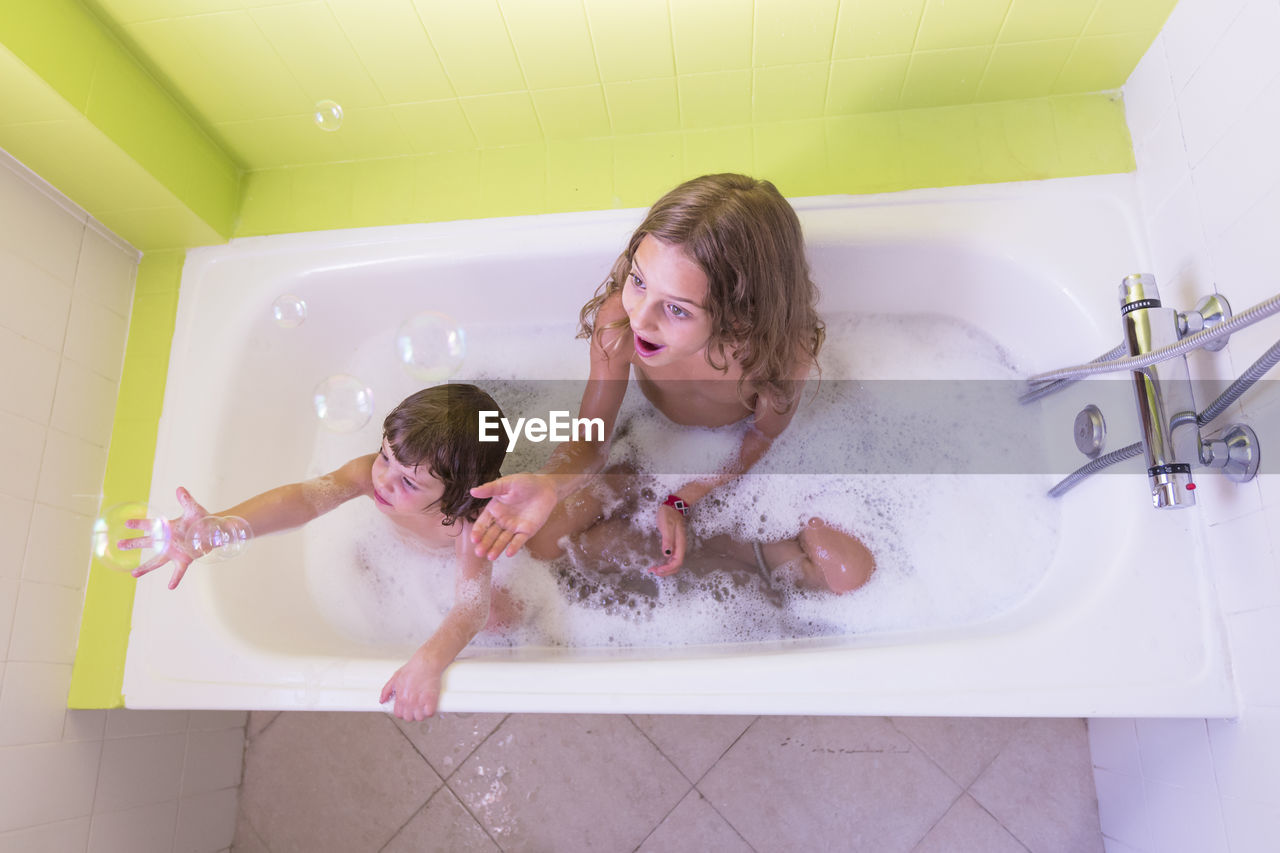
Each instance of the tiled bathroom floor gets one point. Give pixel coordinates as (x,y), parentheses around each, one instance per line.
(367,782)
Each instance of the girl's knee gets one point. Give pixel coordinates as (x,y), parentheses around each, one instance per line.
(544,548)
(845,563)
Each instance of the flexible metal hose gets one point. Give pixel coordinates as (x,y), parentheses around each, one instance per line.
(1058,384)
(1268,360)
(1138,362)
(1094,467)
(1235,390)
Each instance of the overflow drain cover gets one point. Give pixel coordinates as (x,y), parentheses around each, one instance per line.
(1090,431)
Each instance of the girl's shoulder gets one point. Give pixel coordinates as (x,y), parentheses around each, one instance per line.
(611,310)
(611,327)
(781,392)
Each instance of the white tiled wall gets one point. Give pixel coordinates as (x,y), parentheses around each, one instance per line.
(77,780)
(1204,111)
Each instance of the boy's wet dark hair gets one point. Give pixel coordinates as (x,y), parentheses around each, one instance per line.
(439,427)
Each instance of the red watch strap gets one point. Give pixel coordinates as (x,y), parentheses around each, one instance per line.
(677,503)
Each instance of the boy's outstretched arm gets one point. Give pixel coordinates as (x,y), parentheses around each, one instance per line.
(281,508)
(416,685)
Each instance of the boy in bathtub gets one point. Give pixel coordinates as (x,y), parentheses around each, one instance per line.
(420,478)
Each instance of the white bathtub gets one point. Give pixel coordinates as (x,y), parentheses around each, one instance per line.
(1123,621)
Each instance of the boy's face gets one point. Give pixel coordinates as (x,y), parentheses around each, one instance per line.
(402,491)
(665,297)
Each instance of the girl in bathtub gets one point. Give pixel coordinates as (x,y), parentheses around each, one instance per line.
(420,478)
(711,308)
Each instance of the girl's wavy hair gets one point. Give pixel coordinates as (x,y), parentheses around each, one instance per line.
(746,238)
(440,427)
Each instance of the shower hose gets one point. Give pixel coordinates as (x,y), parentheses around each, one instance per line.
(1139,362)
(1234,391)
(1046,383)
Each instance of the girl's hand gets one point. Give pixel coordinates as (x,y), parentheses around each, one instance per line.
(176,550)
(671,527)
(518,506)
(415,687)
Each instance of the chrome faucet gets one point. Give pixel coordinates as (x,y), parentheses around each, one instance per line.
(1166,408)
(1158,340)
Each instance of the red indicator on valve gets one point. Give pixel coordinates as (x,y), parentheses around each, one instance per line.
(1191,487)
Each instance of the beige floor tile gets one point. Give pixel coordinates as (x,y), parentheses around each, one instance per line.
(333,781)
(694,827)
(961,746)
(968,826)
(568,783)
(258,722)
(447,739)
(839,783)
(247,839)
(1041,788)
(828,782)
(443,826)
(692,742)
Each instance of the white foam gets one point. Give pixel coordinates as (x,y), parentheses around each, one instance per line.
(950,549)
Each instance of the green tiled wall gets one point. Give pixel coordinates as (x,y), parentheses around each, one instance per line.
(1026,139)
(98,673)
(427,76)
(156,114)
(78,108)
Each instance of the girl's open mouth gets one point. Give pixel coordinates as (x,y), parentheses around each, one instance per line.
(647,348)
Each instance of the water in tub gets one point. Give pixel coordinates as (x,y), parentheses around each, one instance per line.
(946,546)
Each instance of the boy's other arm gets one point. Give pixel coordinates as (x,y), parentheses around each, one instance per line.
(416,685)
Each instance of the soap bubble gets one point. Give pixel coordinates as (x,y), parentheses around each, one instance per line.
(124,525)
(327,115)
(127,535)
(431,346)
(343,403)
(289,311)
(219,537)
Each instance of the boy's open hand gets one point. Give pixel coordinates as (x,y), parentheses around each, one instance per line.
(416,689)
(176,550)
(671,527)
(518,507)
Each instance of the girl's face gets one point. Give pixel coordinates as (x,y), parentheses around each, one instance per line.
(398,490)
(665,297)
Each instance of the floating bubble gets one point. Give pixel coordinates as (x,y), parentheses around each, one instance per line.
(327,115)
(219,537)
(289,311)
(126,534)
(343,403)
(431,346)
